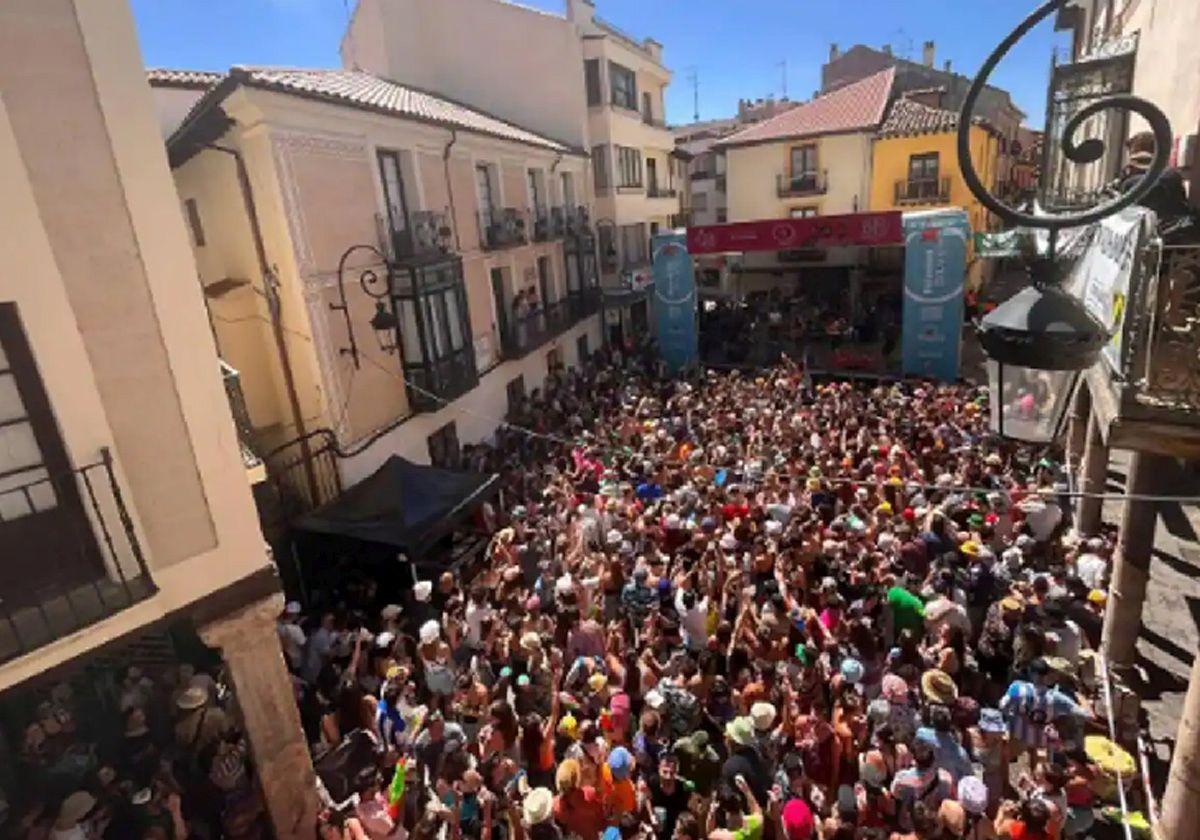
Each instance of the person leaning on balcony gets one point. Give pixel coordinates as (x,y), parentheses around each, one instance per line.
(1168,198)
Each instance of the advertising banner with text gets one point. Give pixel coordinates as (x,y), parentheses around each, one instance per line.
(674,297)
(867,229)
(935,270)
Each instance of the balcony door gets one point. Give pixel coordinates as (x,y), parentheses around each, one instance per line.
(923,175)
(392,176)
(45,534)
(651,176)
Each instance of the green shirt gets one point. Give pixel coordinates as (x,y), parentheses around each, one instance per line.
(908,611)
(752,828)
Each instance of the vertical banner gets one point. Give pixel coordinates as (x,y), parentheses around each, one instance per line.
(674,301)
(935,269)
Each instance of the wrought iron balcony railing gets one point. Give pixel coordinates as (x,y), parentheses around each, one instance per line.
(578,220)
(925,191)
(657,191)
(503,227)
(73,558)
(801,183)
(427,235)
(241,415)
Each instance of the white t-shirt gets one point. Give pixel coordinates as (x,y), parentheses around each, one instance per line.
(1067,640)
(694,621)
(1043,517)
(1091,569)
(291,638)
(475,615)
(942,610)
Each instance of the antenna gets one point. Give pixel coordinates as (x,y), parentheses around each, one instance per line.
(693,79)
(783,70)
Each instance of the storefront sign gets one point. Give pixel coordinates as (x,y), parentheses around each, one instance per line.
(674,301)
(935,268)
(1101,277)
(792,234)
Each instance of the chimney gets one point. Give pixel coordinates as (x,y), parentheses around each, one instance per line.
(654,48)
(887,49)
(834,52)
(929,54)
(947,66)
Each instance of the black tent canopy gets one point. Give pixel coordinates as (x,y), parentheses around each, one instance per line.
(403,505)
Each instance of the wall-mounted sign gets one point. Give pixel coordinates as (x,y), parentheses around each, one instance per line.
(790,234)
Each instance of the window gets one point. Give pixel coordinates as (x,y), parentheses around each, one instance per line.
(803,212)
(591,80)
(392,174)
(582,351)
(26,434)
(624,86)
(554,361)
(443,447)
(804,160)
(483,180)
(629,167)
(600,166)
(700,201)
(608,248)
(193,217)
(537,189)
(923,167)
(647,108)
(722,215)
(634,248)
(568,190)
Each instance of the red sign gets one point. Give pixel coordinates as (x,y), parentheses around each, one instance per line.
(790,234)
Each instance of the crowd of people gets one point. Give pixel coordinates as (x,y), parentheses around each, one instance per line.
(732,607)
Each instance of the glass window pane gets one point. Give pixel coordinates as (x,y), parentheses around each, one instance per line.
(454,318)
(410,335)
(435,327)
(15,501)
(11,406)
(18,447)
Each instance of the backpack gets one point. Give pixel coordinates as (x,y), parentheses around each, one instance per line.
(683,710)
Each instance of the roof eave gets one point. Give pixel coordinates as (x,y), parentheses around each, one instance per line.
(811,135)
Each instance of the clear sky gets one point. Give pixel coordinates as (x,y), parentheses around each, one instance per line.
(735,47)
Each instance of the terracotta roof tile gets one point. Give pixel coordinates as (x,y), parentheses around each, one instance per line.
(196,79)
(856,107)
(909,117)
(363,90)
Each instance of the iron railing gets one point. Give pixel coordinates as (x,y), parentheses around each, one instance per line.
(577,220)
(75,559)
(1161,334)
(502,227)
(923,191)
(428,234)
(241,415)
(681,219)
(530,331)
(802,183)
(657,191)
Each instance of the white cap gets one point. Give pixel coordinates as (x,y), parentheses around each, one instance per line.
(422,590)
(430,631)
(292,608)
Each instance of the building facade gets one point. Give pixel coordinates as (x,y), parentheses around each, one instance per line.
(124,502)
(915,166)
(1118,46)
(475,233)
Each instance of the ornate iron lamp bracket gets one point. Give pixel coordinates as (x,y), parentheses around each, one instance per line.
(1088,151)
(375,285)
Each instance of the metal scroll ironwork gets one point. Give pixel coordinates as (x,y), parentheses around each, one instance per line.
(371,281)
(1088,151)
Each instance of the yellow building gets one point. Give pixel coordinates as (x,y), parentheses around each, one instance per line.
(915,165)
(124,502)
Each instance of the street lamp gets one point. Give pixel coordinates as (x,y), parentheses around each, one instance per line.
(384,323)
(1040,341)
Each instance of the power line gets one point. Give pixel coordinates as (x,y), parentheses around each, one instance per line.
(833,480)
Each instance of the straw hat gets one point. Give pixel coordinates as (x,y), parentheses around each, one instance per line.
(740,730)
(192,699)
(537,806)
(73,809)
(938,687)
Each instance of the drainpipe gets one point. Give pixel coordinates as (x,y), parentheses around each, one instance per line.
(450,188)
(271,293)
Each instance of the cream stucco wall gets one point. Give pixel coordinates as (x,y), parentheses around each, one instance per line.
(94,254)
(512,61)
(1167,71)
(318,191)
(752,172)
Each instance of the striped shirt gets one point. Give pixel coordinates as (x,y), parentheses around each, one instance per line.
(1030,709)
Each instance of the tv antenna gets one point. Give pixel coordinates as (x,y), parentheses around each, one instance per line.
(693,79)
(783,73)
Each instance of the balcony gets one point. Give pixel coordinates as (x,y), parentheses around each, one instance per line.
(531,330)
(721,183)
(583,303)
(72,557)
(700,175)
(682,219)
(428,236)
(656,191)
(651,120)
(577,220)
(502,227)
(548,223)
(926,191)
(558,222)
(789,185)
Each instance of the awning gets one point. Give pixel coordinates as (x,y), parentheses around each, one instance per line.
(403,505)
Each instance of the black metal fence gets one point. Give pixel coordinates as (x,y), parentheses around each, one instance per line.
(72,556)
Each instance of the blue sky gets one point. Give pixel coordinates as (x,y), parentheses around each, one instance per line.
(736,47)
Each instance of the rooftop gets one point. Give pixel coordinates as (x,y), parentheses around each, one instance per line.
(356,89)
(190,79)
(856,107)
(909,118)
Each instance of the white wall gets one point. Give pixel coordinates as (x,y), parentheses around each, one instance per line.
(172,104)
(514,62)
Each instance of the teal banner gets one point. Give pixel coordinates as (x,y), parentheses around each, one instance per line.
(674,298)
(935,270)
